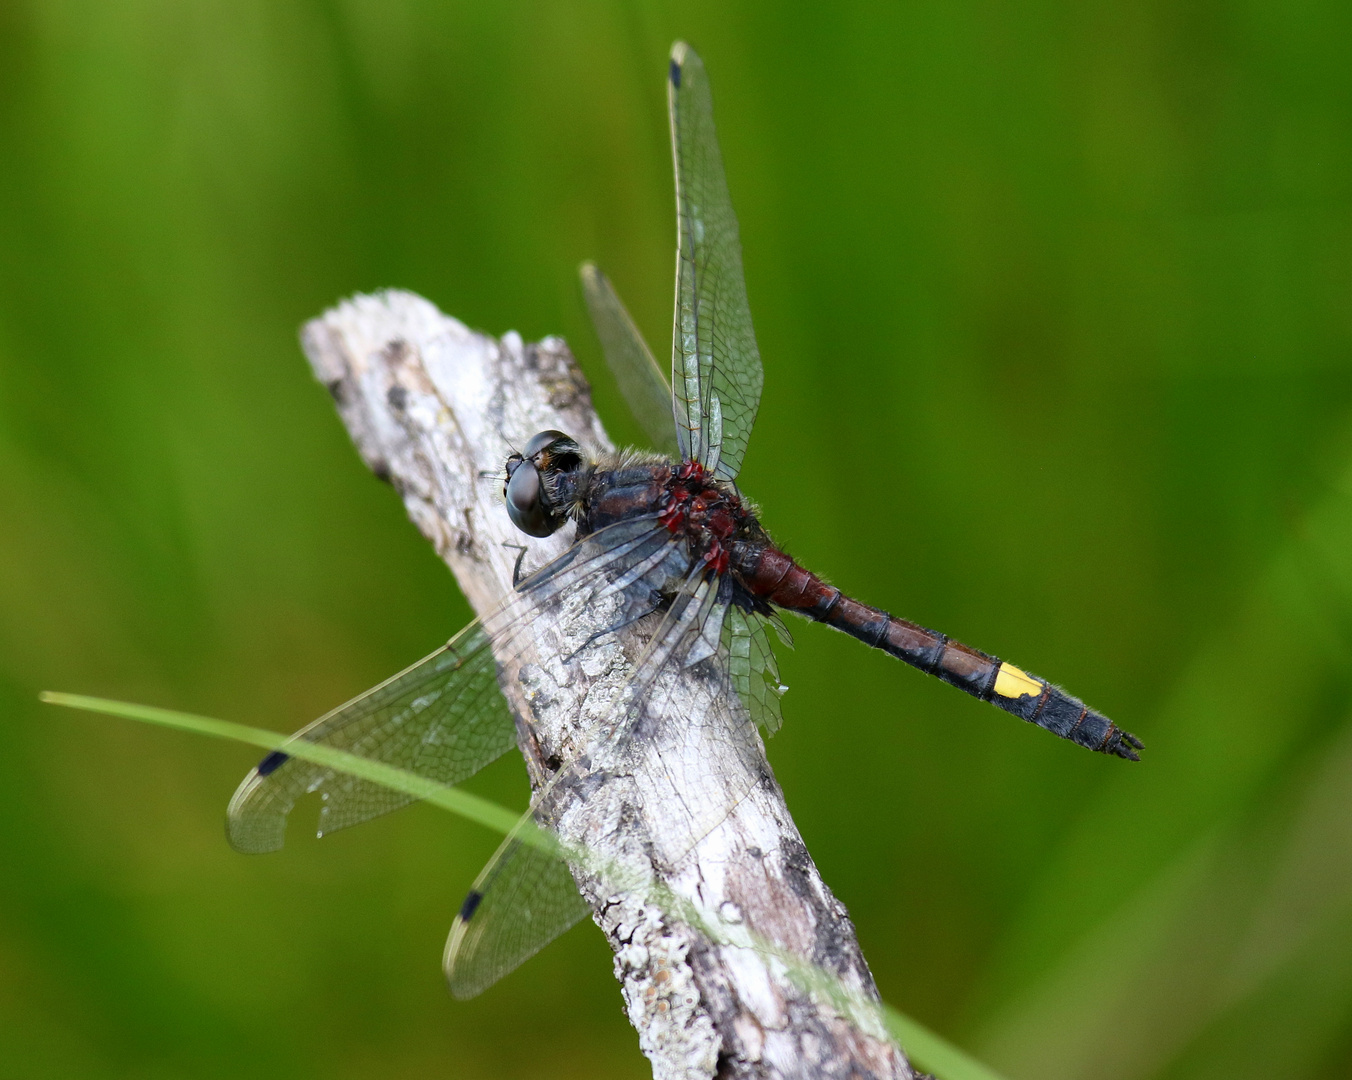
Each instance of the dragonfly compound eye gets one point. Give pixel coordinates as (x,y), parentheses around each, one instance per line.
(525,501)
(540,441)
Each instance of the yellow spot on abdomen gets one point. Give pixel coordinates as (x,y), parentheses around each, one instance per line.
(1011,682)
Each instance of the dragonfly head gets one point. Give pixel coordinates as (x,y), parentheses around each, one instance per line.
(533,497)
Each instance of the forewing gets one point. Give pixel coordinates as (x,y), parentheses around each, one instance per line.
(715,366)
(753,668)
(443,718)
(631,361)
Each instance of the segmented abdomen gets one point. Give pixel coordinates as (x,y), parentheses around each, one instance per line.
(773,576)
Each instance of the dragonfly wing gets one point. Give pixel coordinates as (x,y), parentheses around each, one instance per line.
(523,899)
(681,732)
(631,361)
(715,366)
(753,669)
(445,717)
(442,718)
(695,755)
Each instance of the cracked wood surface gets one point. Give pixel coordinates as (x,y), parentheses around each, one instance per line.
(431,406)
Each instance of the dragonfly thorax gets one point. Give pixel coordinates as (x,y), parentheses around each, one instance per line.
(551,480)
(708,512)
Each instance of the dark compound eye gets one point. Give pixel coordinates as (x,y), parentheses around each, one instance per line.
(525,505)
(539,441)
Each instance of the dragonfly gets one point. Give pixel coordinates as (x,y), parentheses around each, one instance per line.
(665,541)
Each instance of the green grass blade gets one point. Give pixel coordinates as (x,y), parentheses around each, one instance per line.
(933,1053)
(481,811)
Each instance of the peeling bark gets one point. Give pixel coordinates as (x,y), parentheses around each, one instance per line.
(431,405)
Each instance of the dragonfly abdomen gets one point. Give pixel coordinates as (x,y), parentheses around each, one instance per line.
(773,576)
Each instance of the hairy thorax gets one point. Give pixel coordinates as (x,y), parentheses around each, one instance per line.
(709,514)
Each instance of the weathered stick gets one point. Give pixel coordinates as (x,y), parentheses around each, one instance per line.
(431,405)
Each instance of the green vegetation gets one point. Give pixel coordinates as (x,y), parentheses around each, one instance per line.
(1054,310)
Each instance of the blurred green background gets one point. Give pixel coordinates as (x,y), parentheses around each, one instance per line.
(1055,302)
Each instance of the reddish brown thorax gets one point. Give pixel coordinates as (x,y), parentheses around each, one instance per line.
(696,507)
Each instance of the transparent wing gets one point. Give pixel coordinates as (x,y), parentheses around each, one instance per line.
(682,675)
(753,668)
(445,717)
(526,897)
(695,754)
(631,361)
(715,366)
(522,900)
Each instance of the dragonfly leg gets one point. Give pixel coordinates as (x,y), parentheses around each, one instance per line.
(516,566)
(627,621)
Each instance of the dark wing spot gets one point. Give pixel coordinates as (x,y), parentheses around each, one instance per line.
(471,905)
(272,763)
(397,396)
(675,74)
